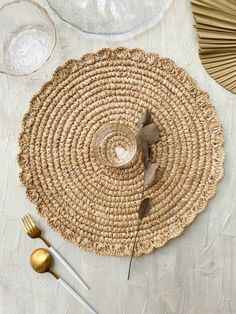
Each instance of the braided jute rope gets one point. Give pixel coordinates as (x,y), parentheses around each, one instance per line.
(95,206)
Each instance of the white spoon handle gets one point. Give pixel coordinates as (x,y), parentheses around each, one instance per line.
(76,296)
(68,267)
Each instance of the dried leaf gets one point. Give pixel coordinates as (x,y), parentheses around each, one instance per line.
(145,150)
(144,119)
(144,208)
(150,174)
(149,133)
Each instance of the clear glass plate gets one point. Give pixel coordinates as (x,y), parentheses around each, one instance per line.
(109,17)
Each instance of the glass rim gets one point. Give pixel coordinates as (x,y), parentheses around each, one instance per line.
(118,126)
(6,72)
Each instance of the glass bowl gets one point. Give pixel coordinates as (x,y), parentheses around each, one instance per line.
(114,145)
(109,17)
(27,37)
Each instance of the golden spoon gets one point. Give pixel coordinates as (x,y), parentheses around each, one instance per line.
(41,261)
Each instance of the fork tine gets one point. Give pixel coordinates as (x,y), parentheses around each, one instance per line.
(30,221)
(25,224)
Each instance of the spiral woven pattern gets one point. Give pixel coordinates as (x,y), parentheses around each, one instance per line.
(96,206)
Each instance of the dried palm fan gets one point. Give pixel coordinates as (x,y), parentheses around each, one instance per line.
(216,27)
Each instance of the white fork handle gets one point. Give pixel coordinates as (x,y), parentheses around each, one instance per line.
(76,296)
(68,267)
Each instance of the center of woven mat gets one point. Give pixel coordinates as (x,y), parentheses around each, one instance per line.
(114,145)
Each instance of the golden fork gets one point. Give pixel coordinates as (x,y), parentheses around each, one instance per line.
(34,232)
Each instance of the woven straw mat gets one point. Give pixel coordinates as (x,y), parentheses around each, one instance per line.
(95,206)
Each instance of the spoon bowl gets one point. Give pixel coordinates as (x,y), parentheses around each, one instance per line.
(41,260)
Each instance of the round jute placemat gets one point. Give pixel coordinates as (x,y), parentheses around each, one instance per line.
(95,206)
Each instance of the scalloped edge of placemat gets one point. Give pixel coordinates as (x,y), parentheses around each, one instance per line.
(61,73)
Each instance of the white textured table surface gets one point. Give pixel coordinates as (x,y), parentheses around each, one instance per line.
(193,274)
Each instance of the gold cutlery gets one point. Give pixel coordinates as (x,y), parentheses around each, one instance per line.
(34,232)
(41,261)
